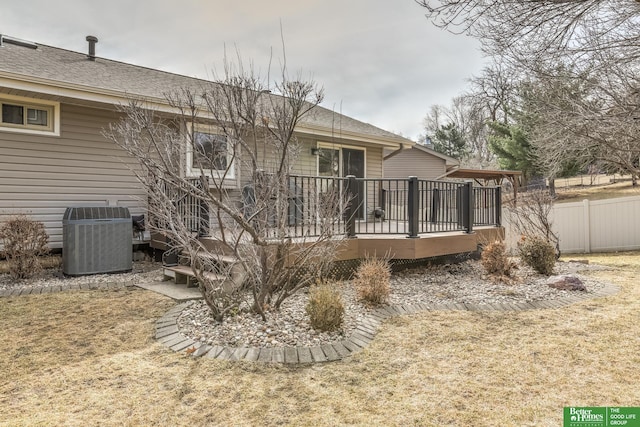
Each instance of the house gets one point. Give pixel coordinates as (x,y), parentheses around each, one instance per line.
(420,160)
(56,104)
(425,163)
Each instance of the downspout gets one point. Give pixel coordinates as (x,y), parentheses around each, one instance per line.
(393,153)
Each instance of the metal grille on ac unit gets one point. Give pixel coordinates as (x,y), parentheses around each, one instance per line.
(96,240)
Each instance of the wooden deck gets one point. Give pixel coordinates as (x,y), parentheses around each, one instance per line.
(400,246)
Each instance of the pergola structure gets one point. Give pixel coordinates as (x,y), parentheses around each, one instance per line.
(486,177)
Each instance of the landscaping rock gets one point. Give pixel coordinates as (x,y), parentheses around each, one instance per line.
(566,283)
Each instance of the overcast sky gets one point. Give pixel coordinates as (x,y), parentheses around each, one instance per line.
(379,61)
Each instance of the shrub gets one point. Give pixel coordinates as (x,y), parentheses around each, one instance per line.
(24,240)
(538,253)
(372,281)
(325,307)
(495,261)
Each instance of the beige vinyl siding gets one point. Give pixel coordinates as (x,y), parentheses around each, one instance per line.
(305,163)
(374,162)
(41,176)
(414,162)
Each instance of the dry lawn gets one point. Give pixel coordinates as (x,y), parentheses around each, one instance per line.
(598,192)
(87,358)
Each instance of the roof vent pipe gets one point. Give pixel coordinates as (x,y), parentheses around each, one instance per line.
(92,47)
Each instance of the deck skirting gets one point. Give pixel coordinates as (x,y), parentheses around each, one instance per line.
(423,246)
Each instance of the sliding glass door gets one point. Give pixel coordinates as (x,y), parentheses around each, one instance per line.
(335,160)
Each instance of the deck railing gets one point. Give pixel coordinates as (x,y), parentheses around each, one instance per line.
(411,206)
(192,211)
(396,206)
(353,206)
(487,206)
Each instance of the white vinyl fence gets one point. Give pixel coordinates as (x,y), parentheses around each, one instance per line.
(593,226)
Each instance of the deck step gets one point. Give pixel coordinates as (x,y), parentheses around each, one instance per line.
(222,267)
(227,265)
(226,259)
(183,274)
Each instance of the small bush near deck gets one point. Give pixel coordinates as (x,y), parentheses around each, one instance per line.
(538,254)
(495,261)
(373,281)
(325,307)
(24,240)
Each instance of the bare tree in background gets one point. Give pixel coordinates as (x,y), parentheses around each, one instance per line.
(226,131)
(561,45)
(586,118)
(467,116)
(540,29)
(495,90)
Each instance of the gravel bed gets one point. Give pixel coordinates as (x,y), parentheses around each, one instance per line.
(142,272)
(459,283)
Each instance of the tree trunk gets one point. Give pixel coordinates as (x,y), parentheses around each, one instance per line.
(552,187)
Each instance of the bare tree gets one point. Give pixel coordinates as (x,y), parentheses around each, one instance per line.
(531,216)
(538,28)
(586,117)
(227,132)
(495,90)
(561,45)
(468,116)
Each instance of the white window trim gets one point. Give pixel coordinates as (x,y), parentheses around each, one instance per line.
(52,106)
(192,172)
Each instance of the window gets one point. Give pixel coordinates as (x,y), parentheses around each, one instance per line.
(209,151)
(29,116)
(328,162)
(210,155)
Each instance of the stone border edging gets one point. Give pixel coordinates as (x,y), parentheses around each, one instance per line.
(168,334)
(36,290)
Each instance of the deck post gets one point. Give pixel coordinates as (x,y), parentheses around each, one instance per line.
(413,202)
(498,206)
(203,229)
(203,209)
(467,206)
(350,213)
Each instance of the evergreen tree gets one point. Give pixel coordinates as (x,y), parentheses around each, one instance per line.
(450,141)
(511,145)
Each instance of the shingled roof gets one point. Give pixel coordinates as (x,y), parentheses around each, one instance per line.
(56,67)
